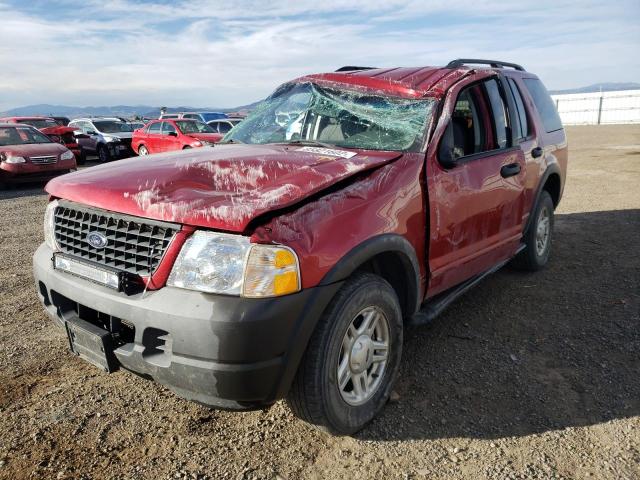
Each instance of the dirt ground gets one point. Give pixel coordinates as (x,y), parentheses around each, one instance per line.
(527,376)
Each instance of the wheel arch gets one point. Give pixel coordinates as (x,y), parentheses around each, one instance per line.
(551,182)
(390,256)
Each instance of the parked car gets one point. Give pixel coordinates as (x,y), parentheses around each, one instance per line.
(27,155)
(167,135)
(287,261)
(56,132)
(223,126)
(202,116)
(106,137)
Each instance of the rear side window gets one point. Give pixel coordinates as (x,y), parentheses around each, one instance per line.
(499,115)
(522,128)
(168,128)
(154,128)
(545,106)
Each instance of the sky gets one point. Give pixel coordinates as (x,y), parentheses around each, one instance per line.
(208,53)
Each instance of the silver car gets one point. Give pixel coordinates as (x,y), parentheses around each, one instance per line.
(223,125)
(107,138)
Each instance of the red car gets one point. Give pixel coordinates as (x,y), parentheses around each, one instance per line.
(28,155)
(287,261)
(56,132)
(167,135)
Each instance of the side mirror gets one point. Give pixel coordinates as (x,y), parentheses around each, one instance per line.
(445,151)
(172,134)
(90,132)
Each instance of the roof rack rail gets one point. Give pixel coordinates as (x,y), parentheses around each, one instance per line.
(350,68)
(459,62)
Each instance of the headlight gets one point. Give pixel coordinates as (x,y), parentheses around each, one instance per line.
(68,155)
(229,264)
(14,160)
(49,221)
(107,138)
(197,143)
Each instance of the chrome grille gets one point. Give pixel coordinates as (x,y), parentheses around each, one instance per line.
(43,160)
(134,244)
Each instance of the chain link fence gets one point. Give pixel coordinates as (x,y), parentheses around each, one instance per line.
(599,108)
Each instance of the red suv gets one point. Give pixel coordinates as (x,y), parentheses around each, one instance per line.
(287,261)
(168,135)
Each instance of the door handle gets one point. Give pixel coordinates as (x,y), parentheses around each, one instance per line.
(537,152)
(510,170)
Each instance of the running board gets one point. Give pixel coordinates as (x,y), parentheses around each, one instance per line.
(434,307)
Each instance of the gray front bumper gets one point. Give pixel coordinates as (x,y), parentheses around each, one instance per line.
(223,351)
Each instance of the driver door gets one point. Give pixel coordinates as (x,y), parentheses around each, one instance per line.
(169,141)
(476,181)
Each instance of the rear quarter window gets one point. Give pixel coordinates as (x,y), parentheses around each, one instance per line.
(544,104)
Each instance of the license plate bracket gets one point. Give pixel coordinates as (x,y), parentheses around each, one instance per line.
(91,343)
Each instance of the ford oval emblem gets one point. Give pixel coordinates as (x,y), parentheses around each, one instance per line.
(97,240)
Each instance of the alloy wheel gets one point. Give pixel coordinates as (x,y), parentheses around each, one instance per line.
(363,356)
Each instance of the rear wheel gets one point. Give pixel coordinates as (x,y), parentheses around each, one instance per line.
(103,154)
(538,237)
(346,375)
(142,151)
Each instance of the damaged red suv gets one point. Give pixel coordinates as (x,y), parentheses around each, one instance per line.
(286,261)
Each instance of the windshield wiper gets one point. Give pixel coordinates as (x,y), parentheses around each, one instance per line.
(311,143)
(231,140)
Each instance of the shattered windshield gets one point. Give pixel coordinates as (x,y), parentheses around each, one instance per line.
(306,112)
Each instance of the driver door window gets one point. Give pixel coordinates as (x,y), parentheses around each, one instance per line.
(478,122)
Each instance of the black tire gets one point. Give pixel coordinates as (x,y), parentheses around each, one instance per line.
(315,396)
(186,147)
(103,154)
(532,258)
(82,158)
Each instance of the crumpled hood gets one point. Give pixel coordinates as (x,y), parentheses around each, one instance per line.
(224,187)
(59,130)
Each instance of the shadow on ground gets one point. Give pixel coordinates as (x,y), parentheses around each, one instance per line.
(525,353)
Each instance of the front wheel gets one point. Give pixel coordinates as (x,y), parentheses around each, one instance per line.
(538,237)
(82,157)
(142,150)
(352,360)
(103,154)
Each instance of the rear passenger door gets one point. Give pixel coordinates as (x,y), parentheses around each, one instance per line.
(476,183)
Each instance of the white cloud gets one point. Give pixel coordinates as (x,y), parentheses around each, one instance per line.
(229,53)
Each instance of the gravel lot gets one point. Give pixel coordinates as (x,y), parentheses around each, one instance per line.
(527,376)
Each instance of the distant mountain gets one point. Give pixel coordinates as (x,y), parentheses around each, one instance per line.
(597,87)
(126,111)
